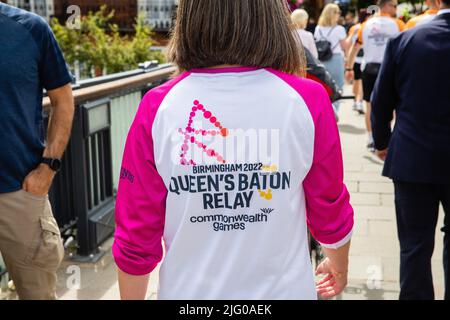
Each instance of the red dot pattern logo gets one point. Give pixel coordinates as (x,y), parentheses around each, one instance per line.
(190,134)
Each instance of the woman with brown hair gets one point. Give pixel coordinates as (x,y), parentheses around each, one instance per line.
(229,163)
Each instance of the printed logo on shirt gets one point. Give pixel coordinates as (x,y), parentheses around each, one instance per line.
(229,169)
(206,140)
(378,37)
(125,174)
(222,222)
(232,187)
(190,134)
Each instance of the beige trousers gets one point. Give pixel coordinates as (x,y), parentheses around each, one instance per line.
(30,243)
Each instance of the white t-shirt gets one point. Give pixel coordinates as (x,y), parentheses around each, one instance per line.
(333,34)
(231,167)
(308,42)
(375,34)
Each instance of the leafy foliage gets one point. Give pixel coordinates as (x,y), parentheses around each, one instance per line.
(98,45)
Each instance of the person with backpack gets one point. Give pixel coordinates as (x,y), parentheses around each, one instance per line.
(331,45)
(300,20)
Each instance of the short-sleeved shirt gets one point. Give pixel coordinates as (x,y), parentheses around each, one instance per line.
(374,35)
(30,60)
(427,16)
(333,34)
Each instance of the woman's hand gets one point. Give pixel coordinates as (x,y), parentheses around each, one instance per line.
(334,281)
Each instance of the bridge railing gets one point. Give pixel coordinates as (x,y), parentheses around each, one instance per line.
(83,193)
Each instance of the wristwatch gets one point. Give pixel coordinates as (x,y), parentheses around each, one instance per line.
(348,69)
(53,163)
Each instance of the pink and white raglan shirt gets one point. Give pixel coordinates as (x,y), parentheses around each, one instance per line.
(229,167)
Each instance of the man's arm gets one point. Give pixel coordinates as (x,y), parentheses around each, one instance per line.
(384,100)
(38,181)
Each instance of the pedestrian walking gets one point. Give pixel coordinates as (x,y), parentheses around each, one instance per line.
(373,37)
(300,20)
(329,30)
(234,217)
(358,104)
(413,82)
(30,61)
(427,16)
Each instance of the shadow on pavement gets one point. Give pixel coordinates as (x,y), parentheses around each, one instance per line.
(348,128)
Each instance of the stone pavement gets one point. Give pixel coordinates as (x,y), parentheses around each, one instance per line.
(374,254)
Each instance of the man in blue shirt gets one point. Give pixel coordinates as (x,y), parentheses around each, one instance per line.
(30,61)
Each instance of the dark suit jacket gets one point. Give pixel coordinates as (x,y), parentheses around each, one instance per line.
(414,81)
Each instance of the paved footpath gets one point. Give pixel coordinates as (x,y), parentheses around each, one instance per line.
(374,255)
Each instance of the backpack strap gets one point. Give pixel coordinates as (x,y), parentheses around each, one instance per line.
(333,47)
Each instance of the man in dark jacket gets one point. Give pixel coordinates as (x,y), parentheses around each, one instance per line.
(414,81)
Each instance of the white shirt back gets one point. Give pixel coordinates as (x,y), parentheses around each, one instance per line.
(308,42)
(375,34)
(333,34)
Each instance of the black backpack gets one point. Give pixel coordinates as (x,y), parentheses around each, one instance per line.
(324,48)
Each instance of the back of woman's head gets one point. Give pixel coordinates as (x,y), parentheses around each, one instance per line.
(327,18)
(300,18)
(235,32)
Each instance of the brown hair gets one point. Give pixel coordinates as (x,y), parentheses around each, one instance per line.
(245,32)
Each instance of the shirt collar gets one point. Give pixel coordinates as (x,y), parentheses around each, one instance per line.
(443,11)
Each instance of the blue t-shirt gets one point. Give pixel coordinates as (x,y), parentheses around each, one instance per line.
(30,60)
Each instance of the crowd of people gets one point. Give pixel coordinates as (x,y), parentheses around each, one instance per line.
(400,76)
(357,47)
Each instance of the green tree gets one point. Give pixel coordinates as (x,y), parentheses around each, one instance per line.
(98,45)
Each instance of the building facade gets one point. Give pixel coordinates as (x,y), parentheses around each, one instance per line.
(44,8)
(125,11)
(158,13)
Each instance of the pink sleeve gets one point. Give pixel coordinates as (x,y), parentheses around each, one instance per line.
(141,198)
(329,213)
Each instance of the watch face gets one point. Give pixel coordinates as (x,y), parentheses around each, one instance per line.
(55,164)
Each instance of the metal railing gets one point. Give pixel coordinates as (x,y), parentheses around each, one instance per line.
(83,193)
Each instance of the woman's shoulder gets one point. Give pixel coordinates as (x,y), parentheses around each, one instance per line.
(310,92)
(305,33)
(340,30)
(305,87)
